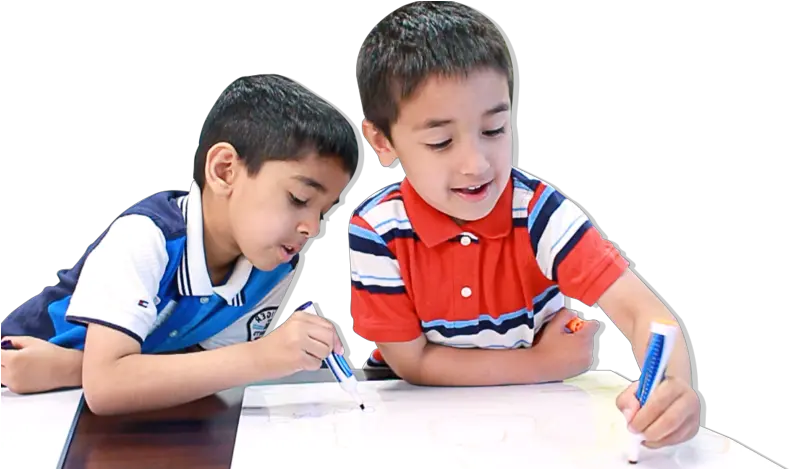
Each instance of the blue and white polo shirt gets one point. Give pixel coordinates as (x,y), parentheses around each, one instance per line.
(146,276)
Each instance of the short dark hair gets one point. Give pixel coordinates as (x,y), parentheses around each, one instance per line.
(419,40)
(273,118)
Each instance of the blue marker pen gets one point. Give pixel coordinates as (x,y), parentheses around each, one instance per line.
(659,349)
(338,365)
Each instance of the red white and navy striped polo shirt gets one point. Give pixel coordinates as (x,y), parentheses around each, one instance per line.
(490,283)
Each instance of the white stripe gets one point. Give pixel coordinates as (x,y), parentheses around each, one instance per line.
(179,272)
(521,199)
(387,216)
(548,311)
(374,270)
(562,225)
(493,340)
(485,338)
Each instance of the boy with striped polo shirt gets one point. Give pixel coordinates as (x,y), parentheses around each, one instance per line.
(204,270)
(460,272)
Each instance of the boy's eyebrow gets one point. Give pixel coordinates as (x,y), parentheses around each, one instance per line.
(433,123)
(310,182)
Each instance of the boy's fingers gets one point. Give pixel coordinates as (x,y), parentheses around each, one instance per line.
(339,349)
(662,398)
(627,402)
(589,327)
(671,427)
(21,341)
(561,318)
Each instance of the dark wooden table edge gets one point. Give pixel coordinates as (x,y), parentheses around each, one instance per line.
(322,375)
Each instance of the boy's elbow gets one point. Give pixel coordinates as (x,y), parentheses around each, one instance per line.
(100,395)
(98,400)
(406,360)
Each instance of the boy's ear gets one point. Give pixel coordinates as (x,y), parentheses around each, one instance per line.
(222,168)
(380,143)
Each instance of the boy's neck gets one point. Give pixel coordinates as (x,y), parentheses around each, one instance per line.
(220,255)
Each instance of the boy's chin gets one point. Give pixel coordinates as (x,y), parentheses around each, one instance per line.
(266,263)
(468,212)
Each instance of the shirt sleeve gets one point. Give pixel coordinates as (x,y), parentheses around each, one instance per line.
(119,280)
(381,308)
(255,324)
(570,251)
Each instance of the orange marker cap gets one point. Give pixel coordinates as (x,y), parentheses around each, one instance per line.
(575,324)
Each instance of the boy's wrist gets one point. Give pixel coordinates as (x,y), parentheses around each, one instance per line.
(538,366)
(68,371)
(264,359)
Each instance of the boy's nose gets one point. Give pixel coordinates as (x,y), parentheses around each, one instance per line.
(310,227)
(474,162)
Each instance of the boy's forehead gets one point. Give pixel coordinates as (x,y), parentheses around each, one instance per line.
(323,173)
(439,98)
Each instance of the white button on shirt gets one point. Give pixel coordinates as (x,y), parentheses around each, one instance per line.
(466,292)
(465,240)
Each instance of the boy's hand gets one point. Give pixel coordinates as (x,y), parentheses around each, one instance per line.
(572,352)
(302,342)
(670,416)
(36,365)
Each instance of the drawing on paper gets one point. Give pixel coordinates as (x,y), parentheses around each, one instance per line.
(468,427)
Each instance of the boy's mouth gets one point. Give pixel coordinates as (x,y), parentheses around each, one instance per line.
(474,192)
(289,249)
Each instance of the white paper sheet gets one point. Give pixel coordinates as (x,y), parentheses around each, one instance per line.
(574,424)
(36,427)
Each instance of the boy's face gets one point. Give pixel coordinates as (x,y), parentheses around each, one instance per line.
(454,140)
(273,214)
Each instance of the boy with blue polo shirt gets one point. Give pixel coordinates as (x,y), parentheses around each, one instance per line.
(204,270)
(460,272)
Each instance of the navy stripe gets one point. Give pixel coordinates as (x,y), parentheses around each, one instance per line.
(79,319)
(367,246)
(551,293)
(568,247)
(294,261)
(399,233)
(483,325)
(542,220)
(188,283)
(522,222)
(242,298)
(529,182)
(378,289)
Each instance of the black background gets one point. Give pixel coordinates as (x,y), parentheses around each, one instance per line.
(629,112)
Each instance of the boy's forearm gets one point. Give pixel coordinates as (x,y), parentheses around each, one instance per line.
(679,365)
(449,366)
(69,369)
(141,382)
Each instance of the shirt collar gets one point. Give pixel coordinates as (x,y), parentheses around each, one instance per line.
(434,227)
(193,276)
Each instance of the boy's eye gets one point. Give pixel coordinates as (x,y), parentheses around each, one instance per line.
(444,144)
(439,146)
(297,202)
(494,133)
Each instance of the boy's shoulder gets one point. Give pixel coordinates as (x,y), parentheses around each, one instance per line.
(382,206)
(167,209)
